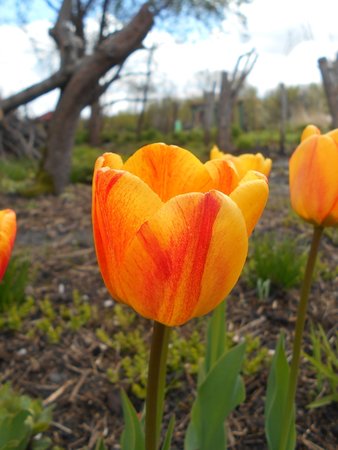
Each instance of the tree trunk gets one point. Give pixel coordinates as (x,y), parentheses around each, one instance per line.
(208,118)
(81,90)
(95,124)
(225,110)
(329,72)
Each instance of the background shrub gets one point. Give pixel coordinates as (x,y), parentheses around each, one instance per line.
(278,259)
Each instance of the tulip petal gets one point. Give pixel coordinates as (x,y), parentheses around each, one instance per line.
(215,153)
(7,237)
(313,178)
(111,160)
(334,135)
(121,204)
(249,161)
(224,175)
(186,258)
(251,196)
(308,131)
(169,170)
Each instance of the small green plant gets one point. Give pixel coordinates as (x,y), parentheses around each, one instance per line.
(55,319)
(13,284)
(22,421)
(14,305)
(278,259)
(132,348)
(256,355)
(185,352)
(12,319)
(263,289)
(324,361)
(52,331)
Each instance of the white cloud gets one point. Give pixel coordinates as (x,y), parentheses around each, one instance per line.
(289,37)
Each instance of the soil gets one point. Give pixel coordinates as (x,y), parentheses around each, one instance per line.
(71,374)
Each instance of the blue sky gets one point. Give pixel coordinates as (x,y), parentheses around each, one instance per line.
(289,37)
(38,9)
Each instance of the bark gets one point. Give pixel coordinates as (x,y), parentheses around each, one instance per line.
(225,112)
(329,73)
(95,124)
(208,117)
(80,90)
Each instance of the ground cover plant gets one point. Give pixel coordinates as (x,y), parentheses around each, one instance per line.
(82,358)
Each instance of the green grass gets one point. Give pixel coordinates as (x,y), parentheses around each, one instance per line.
(248,142)
(17,174)
(324,361)
(83,160)
(278,259)
(17,169)
(14,173)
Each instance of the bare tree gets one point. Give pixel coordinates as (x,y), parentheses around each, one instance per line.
(230,88)
(329,72)
(81,77)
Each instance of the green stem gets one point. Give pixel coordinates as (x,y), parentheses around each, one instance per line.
(156,385)
(297,344)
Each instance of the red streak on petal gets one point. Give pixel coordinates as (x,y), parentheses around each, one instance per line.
(179,267)
(113,180)
(204,231)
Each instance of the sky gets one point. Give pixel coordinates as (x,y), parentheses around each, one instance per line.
(288,35)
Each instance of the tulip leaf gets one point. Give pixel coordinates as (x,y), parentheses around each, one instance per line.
(100,445)
(216,336)
(132,437)
(41,444)
(220,392)
(15,431)
(169,434)
(276,400)
(323,401)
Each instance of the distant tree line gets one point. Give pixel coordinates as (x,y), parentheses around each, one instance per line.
(251,112)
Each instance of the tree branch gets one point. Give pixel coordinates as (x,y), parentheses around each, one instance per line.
(113,51)
(31,93)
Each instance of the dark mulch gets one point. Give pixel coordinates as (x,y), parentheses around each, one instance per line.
(71,374)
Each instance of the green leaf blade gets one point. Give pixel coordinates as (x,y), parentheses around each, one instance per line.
(275,404)
(132,436)
(220,392)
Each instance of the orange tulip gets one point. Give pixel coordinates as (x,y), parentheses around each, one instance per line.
(171,233)
(245,162)
(314,177)
(7,237)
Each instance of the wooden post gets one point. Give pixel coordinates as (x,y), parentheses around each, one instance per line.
(208,117)
(329,72)
(283,117)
